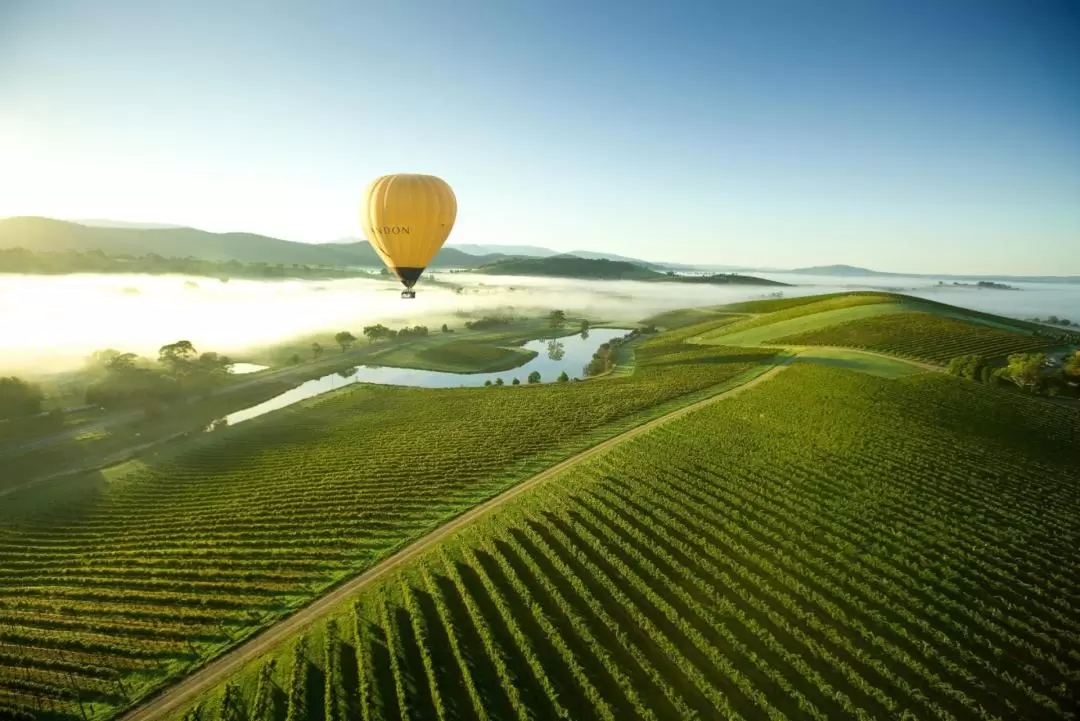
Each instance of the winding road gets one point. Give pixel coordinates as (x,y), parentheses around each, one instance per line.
(218,670)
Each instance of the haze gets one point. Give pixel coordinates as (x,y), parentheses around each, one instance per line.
(909,136)
(52,323)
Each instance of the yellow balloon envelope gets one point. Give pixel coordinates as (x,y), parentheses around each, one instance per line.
(407,218)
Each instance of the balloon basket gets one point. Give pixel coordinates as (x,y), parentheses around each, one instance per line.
(408,294)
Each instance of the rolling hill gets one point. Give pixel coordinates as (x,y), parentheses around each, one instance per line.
(819,538)
(572,266)
(46,234)
(891,542)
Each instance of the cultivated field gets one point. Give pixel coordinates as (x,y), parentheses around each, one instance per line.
(826,545)
(111,585)
(920,335)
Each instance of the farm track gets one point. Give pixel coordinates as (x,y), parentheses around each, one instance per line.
(219,669)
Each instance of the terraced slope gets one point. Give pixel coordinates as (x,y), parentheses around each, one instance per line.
(109,587)
(827,545)
(922,335)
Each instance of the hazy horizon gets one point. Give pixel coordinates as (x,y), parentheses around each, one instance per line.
(53,323)
(921,136)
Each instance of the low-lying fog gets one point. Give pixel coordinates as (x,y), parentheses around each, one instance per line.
(50,323)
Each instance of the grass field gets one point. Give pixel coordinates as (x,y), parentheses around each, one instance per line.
(113,584)
(917,335)
(874,365)
(456,356)
(767,328)
(685,316)
(826,545)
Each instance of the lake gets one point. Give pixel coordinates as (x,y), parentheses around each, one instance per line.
(567,354)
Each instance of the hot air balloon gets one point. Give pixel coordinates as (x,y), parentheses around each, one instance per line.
(407,218)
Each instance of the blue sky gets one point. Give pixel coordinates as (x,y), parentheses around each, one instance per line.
(918,135)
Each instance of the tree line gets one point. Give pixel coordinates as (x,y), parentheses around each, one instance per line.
(1033,373)
(21,260)
(180,372)
(1054,320)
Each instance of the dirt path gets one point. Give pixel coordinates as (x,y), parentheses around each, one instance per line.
(216,671)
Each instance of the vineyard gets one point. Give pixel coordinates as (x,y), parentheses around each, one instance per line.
(920,335)
(111,587)
(826,545)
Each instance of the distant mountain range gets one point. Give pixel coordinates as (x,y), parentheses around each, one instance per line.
(570,265)
(114,237)
(95,223)
(851,270)
(46,234)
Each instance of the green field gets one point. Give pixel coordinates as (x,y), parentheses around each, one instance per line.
(874,365)
(922,335)
(112,584)
(767,328)
(688,316)
(826,545)
(885,543)
(456,356)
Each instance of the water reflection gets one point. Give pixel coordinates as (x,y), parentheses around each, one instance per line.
(570,356)
(244,368)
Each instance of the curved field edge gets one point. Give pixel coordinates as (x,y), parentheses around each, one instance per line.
(774,318)
(282,511)
(918,334)
(807,572)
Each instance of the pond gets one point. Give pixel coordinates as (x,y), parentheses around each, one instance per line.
(569,354)
(238,369)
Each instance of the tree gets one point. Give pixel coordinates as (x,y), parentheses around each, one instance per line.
(177,356)
(316,349)
(1026,370)
(1072,367)
(515,382)
(534,377)
(377,331)
(967,366)
(499,381)
(18,398)
(121,362)
(445,329)
(584,329)
(1070,374)
(345,339)
(556,350)
(563,377)
(487,382)
(557,318)
(295,358)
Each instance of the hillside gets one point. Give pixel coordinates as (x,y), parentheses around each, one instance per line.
(890,323)
(191,551)
(719,279)
(793,552)
(47,235)
(22,261)
(571,266)
(733,560)
(837,270)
